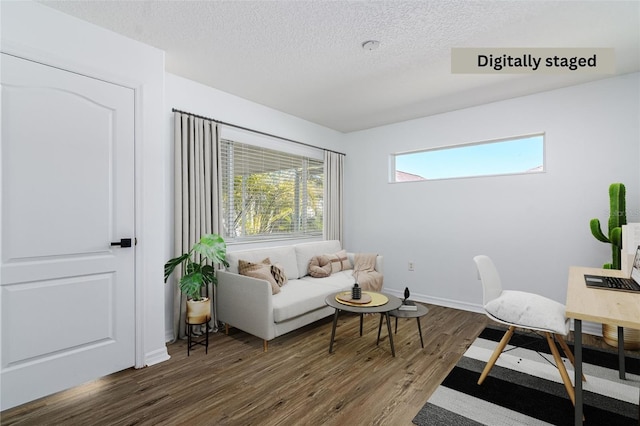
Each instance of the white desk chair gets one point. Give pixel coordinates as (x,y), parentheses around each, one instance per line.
(523,310)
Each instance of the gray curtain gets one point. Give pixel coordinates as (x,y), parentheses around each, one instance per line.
(196,198)
(333,195)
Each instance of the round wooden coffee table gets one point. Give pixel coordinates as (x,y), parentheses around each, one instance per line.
(383,309)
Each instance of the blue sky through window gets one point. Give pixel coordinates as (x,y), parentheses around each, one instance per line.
(521,155)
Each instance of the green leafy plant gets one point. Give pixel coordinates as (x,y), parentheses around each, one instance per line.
(198,265)
(617,218)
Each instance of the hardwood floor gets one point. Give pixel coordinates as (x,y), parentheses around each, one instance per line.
(296,382)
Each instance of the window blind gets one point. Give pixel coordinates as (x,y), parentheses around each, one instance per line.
(269,193)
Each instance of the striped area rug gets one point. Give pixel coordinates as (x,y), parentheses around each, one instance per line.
(525,388)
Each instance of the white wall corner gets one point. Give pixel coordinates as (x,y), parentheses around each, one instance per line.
(168,335)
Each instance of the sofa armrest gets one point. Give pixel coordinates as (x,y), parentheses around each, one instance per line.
(379,261)
(245,303)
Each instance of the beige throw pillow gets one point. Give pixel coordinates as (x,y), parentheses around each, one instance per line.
(339,261)
(259,270)
(319,267)
(245,265)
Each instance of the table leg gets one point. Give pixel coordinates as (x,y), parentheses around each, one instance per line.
(188,339)
(393,351)
(361,316)
(379,328)
(333,329)
(577,337)
(420,331)
(396,325)
(621,367)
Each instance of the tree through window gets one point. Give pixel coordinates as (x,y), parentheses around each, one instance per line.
(269,194)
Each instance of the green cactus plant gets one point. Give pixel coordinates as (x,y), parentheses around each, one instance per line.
(617,218)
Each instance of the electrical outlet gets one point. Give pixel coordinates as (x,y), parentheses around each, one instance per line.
(411,266)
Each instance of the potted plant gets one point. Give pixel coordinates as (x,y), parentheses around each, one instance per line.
(198,271)
(617,218)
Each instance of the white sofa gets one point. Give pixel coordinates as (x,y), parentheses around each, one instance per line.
(249,305)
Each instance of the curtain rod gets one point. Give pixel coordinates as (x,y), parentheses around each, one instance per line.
(255,131)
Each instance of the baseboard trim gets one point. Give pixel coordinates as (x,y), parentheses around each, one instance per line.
(592,328)
(447,303)
(156,357)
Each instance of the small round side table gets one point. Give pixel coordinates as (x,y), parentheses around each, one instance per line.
(417,314)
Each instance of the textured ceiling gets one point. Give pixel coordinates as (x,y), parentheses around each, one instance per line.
(305,57)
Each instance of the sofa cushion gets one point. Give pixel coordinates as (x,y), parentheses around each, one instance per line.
(304,252)
(336,282)
(284,256)
(298,298)
(260,270)
(306,294)
(320,267)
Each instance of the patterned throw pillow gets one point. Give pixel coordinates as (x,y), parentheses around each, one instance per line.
(278,274)
(245,265)
(339,261)
(260,270)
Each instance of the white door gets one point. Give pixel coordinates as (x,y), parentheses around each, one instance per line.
(67,295)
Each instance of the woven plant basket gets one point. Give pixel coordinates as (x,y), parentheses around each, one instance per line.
(631,336)
(198,311)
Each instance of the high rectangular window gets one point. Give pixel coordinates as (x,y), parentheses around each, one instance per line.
(269,193)
(523,154)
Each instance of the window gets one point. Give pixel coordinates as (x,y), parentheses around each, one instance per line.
(524,154)
(268,193)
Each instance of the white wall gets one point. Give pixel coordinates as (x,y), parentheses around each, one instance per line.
(533,226)
(190,96)
(33,31)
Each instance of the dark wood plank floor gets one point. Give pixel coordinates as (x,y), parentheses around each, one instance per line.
(296,382)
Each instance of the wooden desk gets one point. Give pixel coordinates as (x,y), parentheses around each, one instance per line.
(602,306)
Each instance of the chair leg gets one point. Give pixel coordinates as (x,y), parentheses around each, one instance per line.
(265,346)
(567,352)
(563,371)
(496,354)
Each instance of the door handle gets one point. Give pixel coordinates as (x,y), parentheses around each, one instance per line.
(124,242)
